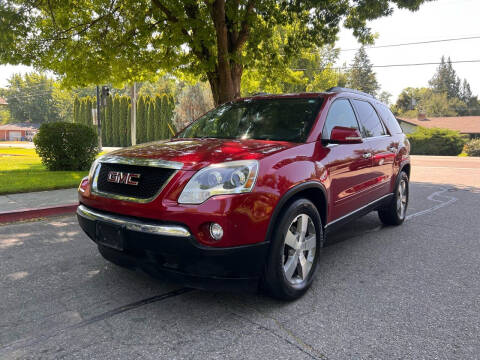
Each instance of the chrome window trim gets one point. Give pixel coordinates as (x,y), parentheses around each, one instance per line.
(377,137)
(133,224)
(112,159)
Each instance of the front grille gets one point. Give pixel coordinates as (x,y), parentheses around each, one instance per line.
(151,180)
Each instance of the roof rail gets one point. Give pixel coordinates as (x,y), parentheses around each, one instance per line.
(260,94)
(338,89)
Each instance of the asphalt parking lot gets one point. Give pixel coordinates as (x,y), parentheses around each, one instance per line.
(380,292)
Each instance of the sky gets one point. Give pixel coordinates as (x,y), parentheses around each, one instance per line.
(441,19)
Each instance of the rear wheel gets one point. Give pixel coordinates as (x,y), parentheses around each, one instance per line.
(295,251)
(395,212)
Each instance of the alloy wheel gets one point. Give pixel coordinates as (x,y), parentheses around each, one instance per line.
(402,198)
(299,249)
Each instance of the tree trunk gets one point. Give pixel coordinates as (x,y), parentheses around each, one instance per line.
(235,79)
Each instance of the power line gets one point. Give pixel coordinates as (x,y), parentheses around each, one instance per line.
(390,65)
(416,43)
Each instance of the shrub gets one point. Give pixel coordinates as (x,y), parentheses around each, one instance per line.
(66,146)
(436,141)
(472,148)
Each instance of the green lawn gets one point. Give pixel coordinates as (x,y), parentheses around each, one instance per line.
(21,170)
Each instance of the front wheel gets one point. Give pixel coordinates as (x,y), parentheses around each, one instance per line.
(395,212)
(294,251)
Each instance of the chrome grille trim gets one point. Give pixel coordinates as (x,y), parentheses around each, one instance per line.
(133,224)
(113,159)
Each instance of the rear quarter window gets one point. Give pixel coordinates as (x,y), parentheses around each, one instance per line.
(389,119)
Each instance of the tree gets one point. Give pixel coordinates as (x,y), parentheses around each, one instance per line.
(76,110)
(361,75)
(309,70)
(83,110)
(445,80)
(215,40)
(129,122)
(30,98)
(158,118)
(385,97)
(108,122)
(151,121)
(193,101)
(141,126)
(465,92)
(88,111)
(412,101)
(447,96)
(5,117)
(123,121)
(116,121)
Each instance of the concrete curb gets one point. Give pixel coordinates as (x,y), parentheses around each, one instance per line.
(26,214)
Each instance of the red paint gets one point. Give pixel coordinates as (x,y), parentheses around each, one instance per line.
(344,135)
(350,180)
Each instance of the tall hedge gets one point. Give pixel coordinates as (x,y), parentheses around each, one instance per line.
(107,123)
(151,121)
(129,123)
(76,109)
(154,118)
(436,141)
(123,120)
(140,119)
(168,128)
(157,126)
(88,114)
(116,121)
(81,112)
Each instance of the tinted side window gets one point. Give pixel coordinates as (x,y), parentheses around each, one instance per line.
(340,114)
(389,120)
(371,124)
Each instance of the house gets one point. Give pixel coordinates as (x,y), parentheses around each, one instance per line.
(3,102)
(468,125)
(17,132)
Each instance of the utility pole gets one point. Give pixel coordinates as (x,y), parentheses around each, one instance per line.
(99,122)
(133,94)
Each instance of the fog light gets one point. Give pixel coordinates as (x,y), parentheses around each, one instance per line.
(216,231)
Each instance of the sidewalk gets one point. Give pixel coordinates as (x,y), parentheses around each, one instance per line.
(15,207)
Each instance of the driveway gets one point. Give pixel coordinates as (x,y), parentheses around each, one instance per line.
(380,292)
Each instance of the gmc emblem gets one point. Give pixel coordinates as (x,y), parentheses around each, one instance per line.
(118,177)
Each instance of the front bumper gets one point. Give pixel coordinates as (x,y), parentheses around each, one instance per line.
(167,249)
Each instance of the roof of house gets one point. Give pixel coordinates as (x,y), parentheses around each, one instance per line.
(463,124)
(17,127)
(3,101)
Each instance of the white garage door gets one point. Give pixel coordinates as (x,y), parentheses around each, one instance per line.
(15,135)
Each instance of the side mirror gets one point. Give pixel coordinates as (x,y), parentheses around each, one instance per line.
(345,135)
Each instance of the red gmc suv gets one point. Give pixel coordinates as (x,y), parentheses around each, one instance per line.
(245,195)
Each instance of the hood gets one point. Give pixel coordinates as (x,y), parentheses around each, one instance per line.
(198,153)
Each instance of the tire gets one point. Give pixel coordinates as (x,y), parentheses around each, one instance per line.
(395,212)
(285,277)
(115,257)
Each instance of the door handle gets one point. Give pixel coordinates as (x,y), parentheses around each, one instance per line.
(367,155)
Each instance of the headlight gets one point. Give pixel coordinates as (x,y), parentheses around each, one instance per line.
(232,177)
(92,170)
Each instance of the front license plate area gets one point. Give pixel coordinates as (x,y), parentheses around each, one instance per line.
(110,235)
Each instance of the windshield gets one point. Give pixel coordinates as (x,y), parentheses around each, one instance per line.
(287,119)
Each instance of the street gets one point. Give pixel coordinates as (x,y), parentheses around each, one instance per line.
(380,292)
